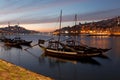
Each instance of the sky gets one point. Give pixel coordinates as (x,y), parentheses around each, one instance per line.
(43,15)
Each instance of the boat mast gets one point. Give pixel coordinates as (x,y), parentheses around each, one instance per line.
(9,29)
(59,29)
(75,37)
(75,19)
(60,26)
(18,30)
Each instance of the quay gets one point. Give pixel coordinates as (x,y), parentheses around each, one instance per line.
(9,71)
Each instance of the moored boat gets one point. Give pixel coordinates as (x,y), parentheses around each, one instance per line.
(64,51)
(69,55)
(5,39)
(85,48)
(22,42)
(13,44)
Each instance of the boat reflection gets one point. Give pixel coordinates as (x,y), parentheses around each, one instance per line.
(53,60)
(87,60)
(10,47)
(40,59)
(101,41)
(103,56)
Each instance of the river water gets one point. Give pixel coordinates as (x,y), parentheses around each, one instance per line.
(97,68)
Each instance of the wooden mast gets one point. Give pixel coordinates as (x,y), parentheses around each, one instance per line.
(75,30)
(18,30)
(60,26)
(9,29)
(75,19)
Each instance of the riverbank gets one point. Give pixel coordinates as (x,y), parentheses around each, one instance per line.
(10,71)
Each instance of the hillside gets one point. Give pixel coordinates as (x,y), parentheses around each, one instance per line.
(103,25)
(16,29)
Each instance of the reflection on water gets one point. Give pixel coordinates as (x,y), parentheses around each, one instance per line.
(97,41)
(104,67)
(94,41)
(82,60)
(116,46)
(103,56)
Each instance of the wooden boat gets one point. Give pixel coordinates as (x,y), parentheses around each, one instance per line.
(21,41)
(5,39)
(65,52)
(13,44)
(85,48)
(69,55)
(10,42)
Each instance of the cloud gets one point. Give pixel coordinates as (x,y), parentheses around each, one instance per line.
(23,6)
(81,17)
(100,15)
(67,18)
(30,11)
(42,11)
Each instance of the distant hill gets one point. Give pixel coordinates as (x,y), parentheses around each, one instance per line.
(16,29)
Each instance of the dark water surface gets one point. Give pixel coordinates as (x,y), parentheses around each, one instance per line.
(97,68)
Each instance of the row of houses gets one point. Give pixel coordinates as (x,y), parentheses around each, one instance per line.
(104,27)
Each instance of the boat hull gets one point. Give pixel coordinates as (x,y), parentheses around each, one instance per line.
(23,42)
(10,44)
(89,49)
(69,55)
(26,43)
